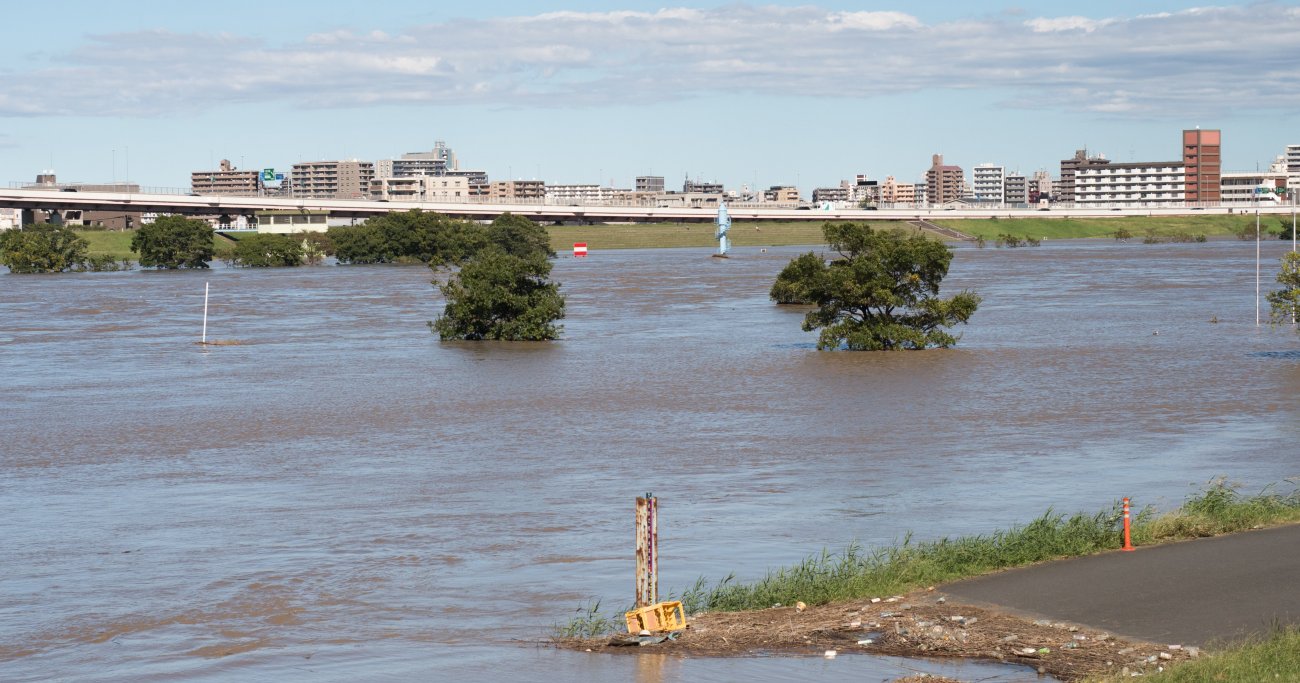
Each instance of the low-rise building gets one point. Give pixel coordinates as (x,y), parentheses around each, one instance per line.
(1136,184)
(821,195)
(782,194)
(227,181)
(420,189)
(518,191)
(649,183)
(582,194)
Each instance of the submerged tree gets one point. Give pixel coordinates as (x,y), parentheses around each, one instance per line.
(44,248)
(174,242)
(501,296)
(881,294)
(1285,302)
(791,286)
(268,250)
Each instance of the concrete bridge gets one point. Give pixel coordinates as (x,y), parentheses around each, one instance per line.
(210,205)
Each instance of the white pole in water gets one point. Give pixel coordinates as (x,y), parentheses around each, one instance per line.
(1257,263)
(205,313)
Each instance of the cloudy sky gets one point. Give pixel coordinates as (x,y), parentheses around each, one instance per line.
(581,91)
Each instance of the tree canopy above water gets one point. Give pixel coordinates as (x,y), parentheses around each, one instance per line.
(882,293)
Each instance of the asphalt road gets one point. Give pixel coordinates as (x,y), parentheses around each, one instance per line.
(1198,592)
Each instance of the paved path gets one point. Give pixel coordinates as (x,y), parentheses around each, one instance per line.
(1196,592)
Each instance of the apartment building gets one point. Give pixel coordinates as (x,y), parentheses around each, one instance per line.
(649,183)
(989,183)
(1040,186)
(894,192)
(1137,184)
(518,190)
(821,195)
(1016,192)
(332,179)
(943,183)
(781,194)
(420,189)
(1064,189)
(226,181)
(1202,161)
(582,194)
(690,186)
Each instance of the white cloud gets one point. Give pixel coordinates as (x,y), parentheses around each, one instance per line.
(1041,25)
(1161,63)
(873,21)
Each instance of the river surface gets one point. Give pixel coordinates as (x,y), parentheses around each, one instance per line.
(339,496)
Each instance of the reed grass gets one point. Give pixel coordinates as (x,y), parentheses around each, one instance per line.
(857,572)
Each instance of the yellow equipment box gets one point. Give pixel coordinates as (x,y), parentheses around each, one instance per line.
(665,616)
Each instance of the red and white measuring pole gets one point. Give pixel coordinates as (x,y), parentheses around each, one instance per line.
(1128,542)
(579,249)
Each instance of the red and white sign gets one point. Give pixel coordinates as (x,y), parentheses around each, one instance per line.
(579,249)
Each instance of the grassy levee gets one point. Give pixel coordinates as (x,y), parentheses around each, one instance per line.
(113,243)
(856,573)
(665,235)
(117,243)
(1275,658)
(1070,228)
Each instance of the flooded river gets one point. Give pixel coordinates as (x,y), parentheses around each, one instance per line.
(339,496)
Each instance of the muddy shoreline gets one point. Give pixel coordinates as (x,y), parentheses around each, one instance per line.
(920,624)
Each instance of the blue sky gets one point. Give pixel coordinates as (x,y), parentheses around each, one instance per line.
(580,91)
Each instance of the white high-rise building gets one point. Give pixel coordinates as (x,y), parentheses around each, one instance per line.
(1137,184)
(989,183)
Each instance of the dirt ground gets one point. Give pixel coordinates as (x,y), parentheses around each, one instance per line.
(922,624)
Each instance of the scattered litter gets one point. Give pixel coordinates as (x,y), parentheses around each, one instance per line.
(1194,651)
(799,606)
(941,600)
(1027,650)
(1166,656)
(875,600)
(855,624)
(866,641)
(829,654)
(1175,647)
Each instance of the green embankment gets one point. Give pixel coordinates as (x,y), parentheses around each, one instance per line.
(1070,228)
(117,243)
(663,235)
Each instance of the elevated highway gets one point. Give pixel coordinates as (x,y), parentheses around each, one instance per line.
(211,205)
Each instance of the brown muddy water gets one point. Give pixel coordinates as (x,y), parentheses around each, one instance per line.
(339,496)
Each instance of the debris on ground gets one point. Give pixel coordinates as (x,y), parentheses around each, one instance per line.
(919,625)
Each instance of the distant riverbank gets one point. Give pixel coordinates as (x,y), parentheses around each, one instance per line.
(117,244)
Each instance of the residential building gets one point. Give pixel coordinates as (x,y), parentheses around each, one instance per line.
(438,162)
(782,194)
(699,200)
(332,179)
(1137,184)
(649,183)
(989,183)
(228,181)
(1016,190)
(518,191)
(1292,160)
(420,189)
(862,189)
(943,183)
(700,186)
(582,194)
(11,218)
(1249,188)
(1202,161)
(894,192)
(1040,186)
(821,195)
(1064,191)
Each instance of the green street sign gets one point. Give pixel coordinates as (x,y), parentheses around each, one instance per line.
(268,175)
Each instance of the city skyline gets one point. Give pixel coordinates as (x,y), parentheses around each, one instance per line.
(576,92)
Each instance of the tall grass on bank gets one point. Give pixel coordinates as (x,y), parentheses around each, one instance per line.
(857,572)
(1274,658)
